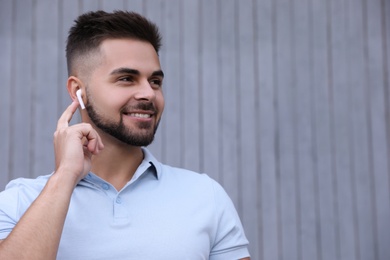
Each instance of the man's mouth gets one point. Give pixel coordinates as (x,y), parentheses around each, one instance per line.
(139,115)
(141,111)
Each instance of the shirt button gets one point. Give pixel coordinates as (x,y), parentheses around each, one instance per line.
(105,186)
(119,200)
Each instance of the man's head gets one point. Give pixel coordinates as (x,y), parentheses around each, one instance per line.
(92,28)
(113,59)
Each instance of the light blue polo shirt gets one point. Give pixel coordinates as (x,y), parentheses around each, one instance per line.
(162,213)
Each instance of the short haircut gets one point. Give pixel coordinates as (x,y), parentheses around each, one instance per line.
(92,28)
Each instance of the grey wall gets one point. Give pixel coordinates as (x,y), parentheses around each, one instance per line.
(285,102)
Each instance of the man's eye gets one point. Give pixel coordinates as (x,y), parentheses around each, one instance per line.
(126,79)
(156,82)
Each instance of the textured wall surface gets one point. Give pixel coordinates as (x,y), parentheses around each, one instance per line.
(285,102)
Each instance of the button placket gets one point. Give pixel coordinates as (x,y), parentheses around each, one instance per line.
(121,214)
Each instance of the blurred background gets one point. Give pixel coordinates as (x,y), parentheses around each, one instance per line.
(286,103)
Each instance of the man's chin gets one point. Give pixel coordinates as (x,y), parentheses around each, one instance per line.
(134,140)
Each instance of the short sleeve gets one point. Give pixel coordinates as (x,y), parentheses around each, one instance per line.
(230,242)
(8,211)
(15,200)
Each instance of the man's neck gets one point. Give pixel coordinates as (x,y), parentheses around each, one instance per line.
(117,162)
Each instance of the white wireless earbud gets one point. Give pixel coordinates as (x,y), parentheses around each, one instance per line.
(78,94)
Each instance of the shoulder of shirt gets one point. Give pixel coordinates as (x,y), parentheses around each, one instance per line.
(164,170)
(189,178)
(33,183)
(172,170)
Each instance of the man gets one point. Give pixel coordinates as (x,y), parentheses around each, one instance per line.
(108,197)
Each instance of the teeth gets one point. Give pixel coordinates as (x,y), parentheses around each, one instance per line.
(140,115)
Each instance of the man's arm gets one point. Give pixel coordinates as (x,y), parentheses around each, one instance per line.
(38,232)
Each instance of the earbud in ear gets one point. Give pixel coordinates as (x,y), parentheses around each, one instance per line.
(78,94)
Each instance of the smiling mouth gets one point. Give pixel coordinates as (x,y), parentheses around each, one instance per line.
(141,111)
(138,115)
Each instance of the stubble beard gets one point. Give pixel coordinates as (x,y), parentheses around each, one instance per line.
(143,136)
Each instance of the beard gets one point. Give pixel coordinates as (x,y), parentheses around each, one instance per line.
(142,136)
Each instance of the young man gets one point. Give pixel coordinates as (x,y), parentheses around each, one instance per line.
(108,197)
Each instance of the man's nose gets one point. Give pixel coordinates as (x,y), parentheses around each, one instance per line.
(145,91)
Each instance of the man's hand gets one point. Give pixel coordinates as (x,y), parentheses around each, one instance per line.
(74,145)
(37,234)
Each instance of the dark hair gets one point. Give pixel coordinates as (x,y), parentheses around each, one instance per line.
(92,28)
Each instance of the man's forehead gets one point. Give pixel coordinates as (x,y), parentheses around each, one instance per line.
(129,53)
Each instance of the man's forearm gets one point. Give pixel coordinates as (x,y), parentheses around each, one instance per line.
(37,234)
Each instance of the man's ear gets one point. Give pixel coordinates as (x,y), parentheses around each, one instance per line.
(74,84)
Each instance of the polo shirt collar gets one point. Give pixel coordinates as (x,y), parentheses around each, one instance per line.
(149,165)
(149,158)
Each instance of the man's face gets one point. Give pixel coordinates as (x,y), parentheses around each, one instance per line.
(124,92)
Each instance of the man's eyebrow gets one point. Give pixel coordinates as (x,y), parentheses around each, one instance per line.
(135,72)
(158,73)
(125,71)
